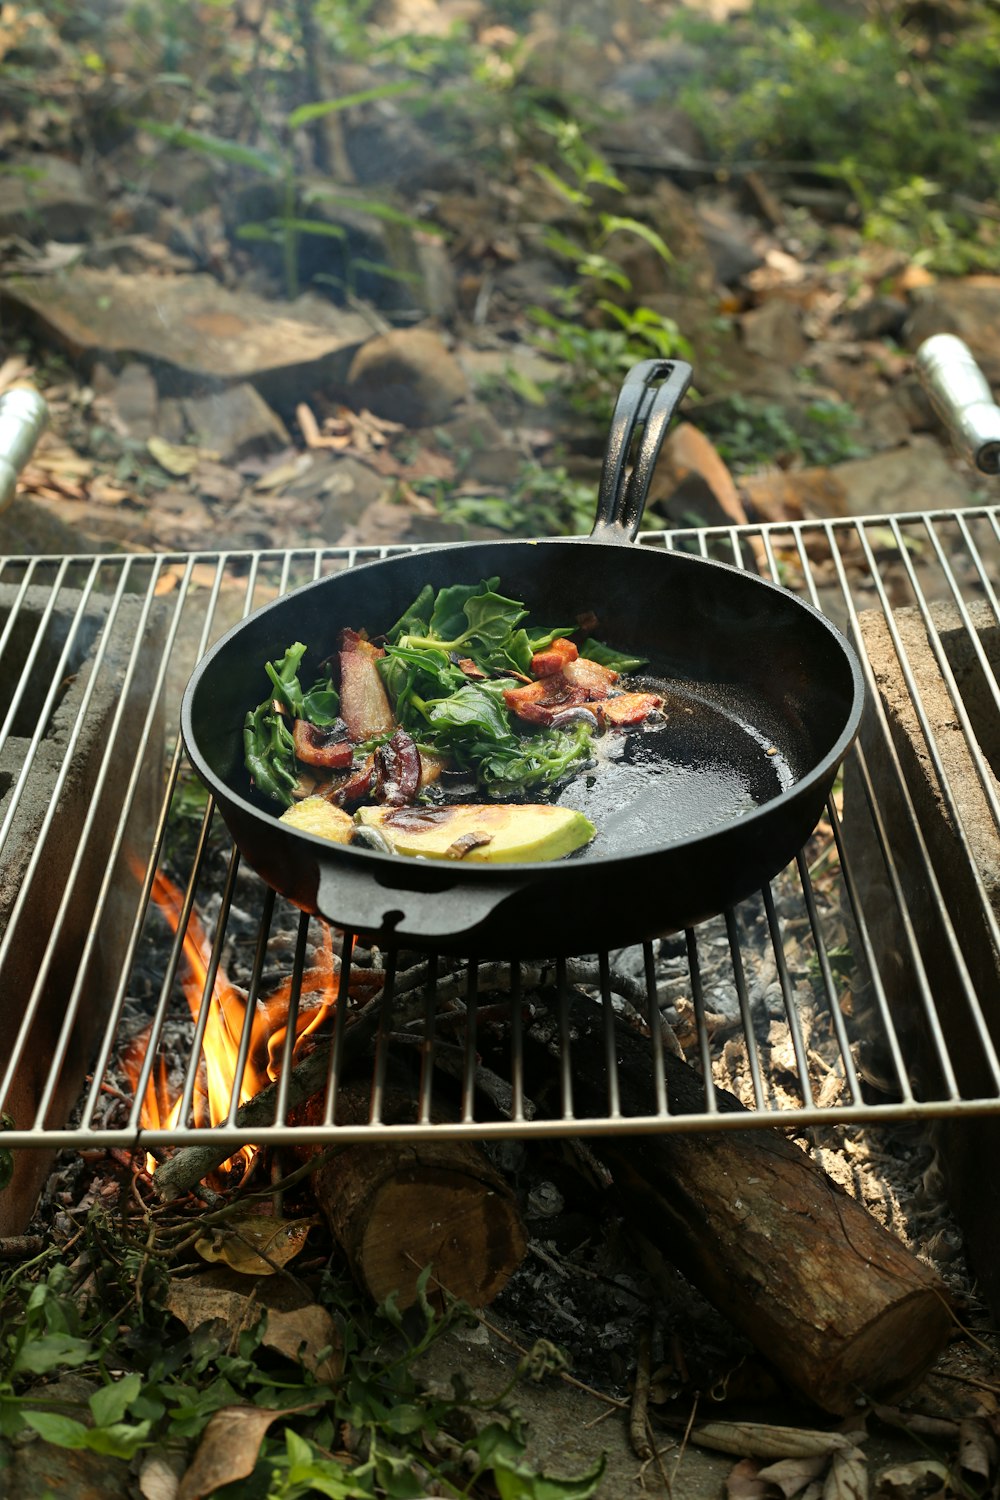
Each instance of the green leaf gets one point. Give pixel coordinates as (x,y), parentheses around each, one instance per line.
(121,1440)
(54,1427)
(615,661)
(217,147)
(319,111)
(416,620)
(473,708)
(111,1402)
(448,618)
(558,185)
(52,1351)
(321,227)
(612,223)
(515,1482)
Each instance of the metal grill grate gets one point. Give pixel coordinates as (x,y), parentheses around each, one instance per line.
(860,986)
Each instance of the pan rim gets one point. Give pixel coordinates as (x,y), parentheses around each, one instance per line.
(506,872)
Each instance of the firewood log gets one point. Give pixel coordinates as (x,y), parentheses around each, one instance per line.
(398,1206)
(839,1307)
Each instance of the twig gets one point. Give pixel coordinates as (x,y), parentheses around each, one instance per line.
(21,1246)
(638,1426)
(687,1433)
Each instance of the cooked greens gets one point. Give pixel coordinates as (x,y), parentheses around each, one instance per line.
(447,663)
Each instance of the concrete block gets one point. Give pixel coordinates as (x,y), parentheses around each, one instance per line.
(31,891)
(959,840)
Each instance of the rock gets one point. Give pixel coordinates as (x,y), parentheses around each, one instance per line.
(28,529)
(407,375)
(881,316)
(729,237)
(691,480)
(672,214)
(199,335)
(915,477)
(344,487)
(437,291)
(482,453)
(773,332)
(46,198)
(235,422)
(660,139)
(969,308)
(794,494)
(135,401)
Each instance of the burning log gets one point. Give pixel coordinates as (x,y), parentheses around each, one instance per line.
(399,1207)
(837,1305)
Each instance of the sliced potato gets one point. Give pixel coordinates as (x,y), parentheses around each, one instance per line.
(487,833)
(316,815)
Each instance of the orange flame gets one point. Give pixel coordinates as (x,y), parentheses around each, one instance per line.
(225,1023)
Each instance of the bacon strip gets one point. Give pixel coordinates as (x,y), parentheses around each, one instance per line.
(539,702)
(597,681)
(328,747)
(554,658)
(627,708)
(364,706)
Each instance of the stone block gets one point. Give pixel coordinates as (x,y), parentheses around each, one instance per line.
(933,804)
(80,764)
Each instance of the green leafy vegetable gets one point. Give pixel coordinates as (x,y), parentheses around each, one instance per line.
(616,661)
(468,721)
(433,697)
(268,747)
(319,705)
(269,753)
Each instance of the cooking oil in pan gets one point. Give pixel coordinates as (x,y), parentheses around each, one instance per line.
(700,765)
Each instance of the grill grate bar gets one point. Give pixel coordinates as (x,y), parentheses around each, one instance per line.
(805,960)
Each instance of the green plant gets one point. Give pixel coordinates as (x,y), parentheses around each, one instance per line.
(374,1431)
(276,162)
(753,434)
(541,502)
(860,95)
(595,338)
(938,230)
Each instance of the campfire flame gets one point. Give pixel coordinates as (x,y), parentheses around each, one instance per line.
(225,1022)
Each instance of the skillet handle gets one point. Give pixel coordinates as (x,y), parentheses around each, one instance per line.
(649,398)
(431,914)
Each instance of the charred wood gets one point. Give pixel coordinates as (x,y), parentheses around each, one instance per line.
(839,1307)
(398,1207)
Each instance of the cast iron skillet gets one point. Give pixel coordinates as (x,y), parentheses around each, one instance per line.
(765,698)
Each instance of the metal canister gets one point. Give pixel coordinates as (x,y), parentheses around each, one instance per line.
(23,415)
(962,399)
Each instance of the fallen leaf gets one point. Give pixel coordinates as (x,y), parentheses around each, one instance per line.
(744,1483)
(308,426)
(159,1479)
(923,1478)
(254,1245)
(14,368)
(406,495)
(296,1327)
(308,1335)
(977,1449)
(176,458)
(848,1476)
(199,1301)
(791,1475)
(104,491)
(284,473)
(767,1440)
(228,1450)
